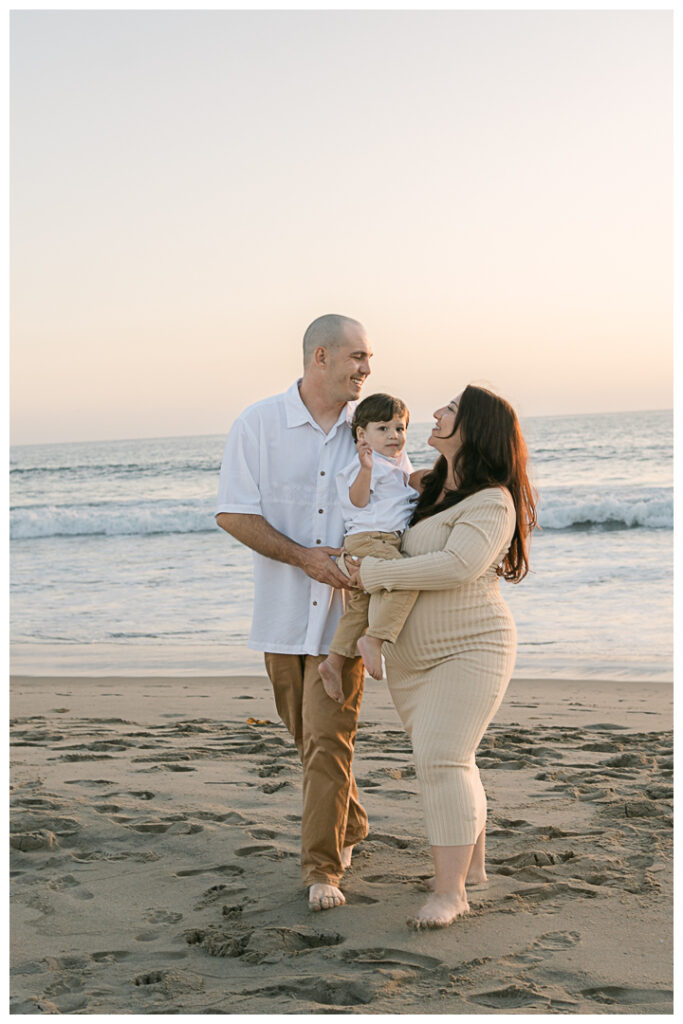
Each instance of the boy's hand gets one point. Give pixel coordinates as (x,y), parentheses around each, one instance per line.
(364,454)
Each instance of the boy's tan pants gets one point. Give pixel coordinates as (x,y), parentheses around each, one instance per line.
(324,733)
(383,613)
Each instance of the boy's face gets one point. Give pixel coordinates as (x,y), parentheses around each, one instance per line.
(386,438)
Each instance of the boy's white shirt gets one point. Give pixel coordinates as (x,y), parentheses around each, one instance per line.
(392,499)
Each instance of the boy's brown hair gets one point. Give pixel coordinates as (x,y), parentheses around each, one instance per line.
(378,408)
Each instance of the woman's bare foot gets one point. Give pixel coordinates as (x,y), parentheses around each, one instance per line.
(325,897)
(440,910)
(330,673)
(370,648)
(478,877)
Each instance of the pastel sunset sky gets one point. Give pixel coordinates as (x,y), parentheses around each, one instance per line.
(490,193)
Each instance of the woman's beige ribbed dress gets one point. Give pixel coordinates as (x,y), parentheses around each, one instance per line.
(451,664)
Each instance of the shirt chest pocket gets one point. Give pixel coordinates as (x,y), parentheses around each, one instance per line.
(288,477)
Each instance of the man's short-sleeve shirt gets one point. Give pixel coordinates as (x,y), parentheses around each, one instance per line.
(278,463)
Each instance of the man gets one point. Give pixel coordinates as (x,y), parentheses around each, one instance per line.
(277,495)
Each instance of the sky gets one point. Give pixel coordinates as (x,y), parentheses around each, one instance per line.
(490,193)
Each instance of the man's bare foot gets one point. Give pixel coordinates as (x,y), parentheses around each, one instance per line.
(346,857)
(325,897)
(370,648)
(440,910)
(331,677)
(473,878)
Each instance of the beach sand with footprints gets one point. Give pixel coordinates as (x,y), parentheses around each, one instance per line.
(154,857)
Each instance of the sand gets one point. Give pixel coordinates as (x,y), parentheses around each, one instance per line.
(154,855)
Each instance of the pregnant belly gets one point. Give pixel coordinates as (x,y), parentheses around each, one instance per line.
(441,627)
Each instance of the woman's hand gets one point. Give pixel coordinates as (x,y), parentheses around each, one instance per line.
(353,565)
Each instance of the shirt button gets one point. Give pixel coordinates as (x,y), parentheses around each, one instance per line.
(318,542)
(315,602)
(320,511)
(322,472)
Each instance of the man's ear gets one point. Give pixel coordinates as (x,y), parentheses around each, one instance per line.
(320,356)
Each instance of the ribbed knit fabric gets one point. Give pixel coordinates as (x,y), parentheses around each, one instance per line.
(450,666)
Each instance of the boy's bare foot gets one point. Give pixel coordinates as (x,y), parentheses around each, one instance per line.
(331,677)
(440,910)
(325,897)
(370,648)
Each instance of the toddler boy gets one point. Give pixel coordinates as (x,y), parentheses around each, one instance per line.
(377,503)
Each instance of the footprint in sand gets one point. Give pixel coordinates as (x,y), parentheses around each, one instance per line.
(229,818)
(617,994)
(171,982)
(260,945)
(544,947)
(266,849)
(511,997)
(155,916)
(535,894)
(137,856)
(220,869)
(83,757)
(218,892)
(36,822)
(265,943)
(108,809)
(367,783)
(394,958)
(111,956)
(36,803)
(332,991)
(148,936)
(64,985)
(271,769)
(70,884)
(552,942)
(26,842)
(89,782)
(173,827)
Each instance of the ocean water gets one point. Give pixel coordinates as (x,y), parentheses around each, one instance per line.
(117,565)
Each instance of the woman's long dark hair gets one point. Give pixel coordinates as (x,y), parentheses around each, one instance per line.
(493,454)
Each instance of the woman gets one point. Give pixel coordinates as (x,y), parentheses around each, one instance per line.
(450,666)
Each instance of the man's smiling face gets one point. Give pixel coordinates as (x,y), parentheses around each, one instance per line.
(348,366)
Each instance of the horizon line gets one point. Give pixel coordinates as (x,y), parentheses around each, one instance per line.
(172,437)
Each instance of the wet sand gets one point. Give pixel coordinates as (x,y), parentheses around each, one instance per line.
(154,855)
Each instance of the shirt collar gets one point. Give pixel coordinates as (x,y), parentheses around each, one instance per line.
(391,460)
(298,414)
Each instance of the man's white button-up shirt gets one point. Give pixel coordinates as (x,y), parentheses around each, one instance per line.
(278,463)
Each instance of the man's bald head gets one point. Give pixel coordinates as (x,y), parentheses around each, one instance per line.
(328,332)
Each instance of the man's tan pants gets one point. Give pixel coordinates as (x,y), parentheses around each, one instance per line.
(383,613)
(324,732)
